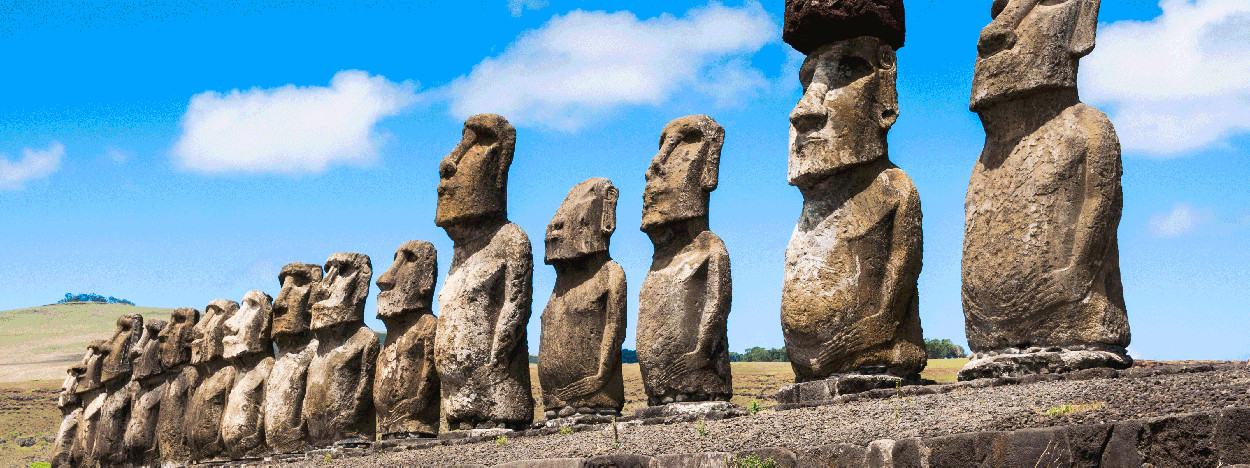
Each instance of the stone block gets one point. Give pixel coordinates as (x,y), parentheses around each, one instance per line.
(780,457)
(1181,440)
(620,460)
(833,456)
(546,463)
(1232,436)
(692,460)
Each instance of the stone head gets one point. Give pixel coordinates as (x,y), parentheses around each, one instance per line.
(292,311)
(849,104)
(247,331)
(175,338)
(207,343)
(473,179)
(684,173)
(1031,45)
(69,388)
(146,354)
(116,350)
(340,296)
(584,223)
(89,378)
(408,285)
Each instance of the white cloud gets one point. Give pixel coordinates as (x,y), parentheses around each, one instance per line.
(118,155)
(35,164)
(580,66)
(1178,83)
(517,6)
(1181,220)
(290,130)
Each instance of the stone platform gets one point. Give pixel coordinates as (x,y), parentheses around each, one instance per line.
(690,411)
(822,391)
(1013,362)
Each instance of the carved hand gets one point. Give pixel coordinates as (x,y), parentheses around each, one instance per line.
(582,387)
(1063,286)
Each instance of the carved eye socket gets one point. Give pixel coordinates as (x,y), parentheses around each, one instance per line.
(997,8)
(1052,2)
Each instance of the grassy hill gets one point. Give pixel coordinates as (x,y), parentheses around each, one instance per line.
(39,343)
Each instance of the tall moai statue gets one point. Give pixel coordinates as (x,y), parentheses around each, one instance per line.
(216,378)
(583,326)
(849,301)
(285,431)
(1041,268)
(683,351)
(338,400)
(405,389)
(70,403)
(175,343)
(147,382)
(481,349)
(115,373)
(91,395)
(250,351)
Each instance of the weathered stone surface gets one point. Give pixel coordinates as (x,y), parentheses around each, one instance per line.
(692,460)
(480,348)
(250,352)
(1043,362)
(690,410)
(683,351)
(620,460)
(284,390)
(770,456)
(1232,436)
(70,403)
(83,450)
(583,325)
(849,300)
(338,400)
(1041,260)
(118,361)
(810,24)
(175,350)
(148,381)
(833,456)
(822,391)
(405,389)
(207,405)
(544,463)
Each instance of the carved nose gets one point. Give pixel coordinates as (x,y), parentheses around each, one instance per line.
(808,116)
(994,39)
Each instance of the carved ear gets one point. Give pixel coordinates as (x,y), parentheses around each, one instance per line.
(887,90)
(713,141)
(608,210)
(1086,28)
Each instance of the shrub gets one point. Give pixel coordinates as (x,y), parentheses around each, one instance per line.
(943,349)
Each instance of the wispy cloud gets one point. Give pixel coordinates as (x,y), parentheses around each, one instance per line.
(517,6)
(118,155)
(1178,83)
(35,164)
(290,130)
(1180,220)
(579,67)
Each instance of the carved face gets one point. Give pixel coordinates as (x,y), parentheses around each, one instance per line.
(292,311)
(1031,45)
(117,360)
(247,331)
(340,296)
(474,177)
(211,330)
(408,285)
(584,223)
(146,353)
(89,379)
(849,104)
(175,338)
(684,172)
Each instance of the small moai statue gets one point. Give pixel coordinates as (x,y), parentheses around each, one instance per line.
(118,363)
(338,401)
(91,395)
(70,403)
(175,343)
(1041,267)
(481,348)
(284,390)
(250,351)
(208,404)
(583,325)
(405,389)
(683,307)
(850,303)
(147,382)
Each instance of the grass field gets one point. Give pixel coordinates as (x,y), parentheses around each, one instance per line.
(39,343)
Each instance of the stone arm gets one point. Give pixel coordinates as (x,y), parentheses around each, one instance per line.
(518,292)
(714,314)
(370,347)
(613,335)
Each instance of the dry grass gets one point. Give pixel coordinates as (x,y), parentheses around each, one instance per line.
(39,343)
(27,409)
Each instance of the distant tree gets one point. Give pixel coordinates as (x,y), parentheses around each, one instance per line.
(629,356)
(758,354)
(943,349)
(93,297)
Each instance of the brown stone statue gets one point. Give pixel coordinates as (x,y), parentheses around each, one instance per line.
(284,390)
(91,395)
(175,350)
(1041,269)
(683,307)
(147,386)
(583,326)
(338,402)
(850,303)
(70,403)
(405,389)
(208,402)
(250,351)
(115,373)
(481,348)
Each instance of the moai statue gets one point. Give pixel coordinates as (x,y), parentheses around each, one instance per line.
(583,326)
(174,346)
(208,404)
(91,395)
(481,348)
(849,303)
(405,389)
(284,391)
(250,351)
(147,387)
(70,404)
(1041,268)
(338,402)
(683,307)
(115,373)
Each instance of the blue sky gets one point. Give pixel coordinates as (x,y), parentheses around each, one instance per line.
(184,151)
